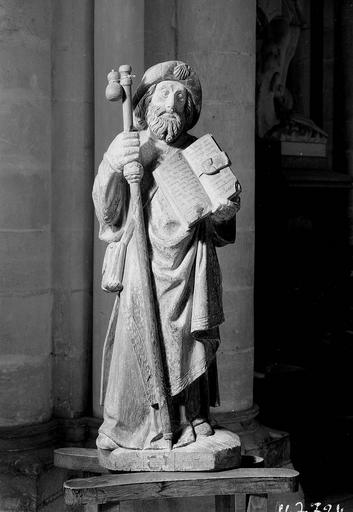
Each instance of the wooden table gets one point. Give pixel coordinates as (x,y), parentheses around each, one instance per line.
(106,491)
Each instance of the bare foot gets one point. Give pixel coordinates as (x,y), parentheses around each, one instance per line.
(104,442)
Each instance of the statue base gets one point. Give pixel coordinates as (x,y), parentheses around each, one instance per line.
(216,452)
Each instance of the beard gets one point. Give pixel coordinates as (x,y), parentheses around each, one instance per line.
(164,126)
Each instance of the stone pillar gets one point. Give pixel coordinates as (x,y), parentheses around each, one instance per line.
(343,129)
(25,245)
(160,25)
(218,39)
(329,22)
(345,93)
(300,67)
(72,211)
(118,39)
(46,223)
(25,213)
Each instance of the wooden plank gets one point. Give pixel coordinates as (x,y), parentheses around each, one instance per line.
(78,459)
(225,503)
(139,486)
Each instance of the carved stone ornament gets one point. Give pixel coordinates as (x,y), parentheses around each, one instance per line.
(279,25)
(164,200)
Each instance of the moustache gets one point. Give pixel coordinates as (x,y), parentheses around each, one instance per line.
(162,112)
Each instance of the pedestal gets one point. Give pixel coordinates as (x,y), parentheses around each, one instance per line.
(216,452)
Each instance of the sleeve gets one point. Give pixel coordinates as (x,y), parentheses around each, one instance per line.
(111,201)
(224,233)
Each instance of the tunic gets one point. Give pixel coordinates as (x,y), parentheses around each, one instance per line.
(188,298)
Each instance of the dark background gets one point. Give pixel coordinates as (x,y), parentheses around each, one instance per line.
(303,285)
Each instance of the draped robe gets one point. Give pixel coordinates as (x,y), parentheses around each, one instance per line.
(188,301)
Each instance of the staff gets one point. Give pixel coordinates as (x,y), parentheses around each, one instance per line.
(151,346)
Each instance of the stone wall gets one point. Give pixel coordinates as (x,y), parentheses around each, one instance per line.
(25,212)
(46,215)
(46,223)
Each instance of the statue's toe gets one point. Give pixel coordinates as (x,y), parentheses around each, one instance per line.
(104,442)
(186,435)
(202,428)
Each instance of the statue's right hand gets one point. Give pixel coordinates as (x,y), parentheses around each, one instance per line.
(124,149)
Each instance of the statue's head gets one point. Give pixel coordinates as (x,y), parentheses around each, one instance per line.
(168,100)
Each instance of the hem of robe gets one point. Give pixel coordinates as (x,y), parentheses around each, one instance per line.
(191,376)
(139,439)
(207,322)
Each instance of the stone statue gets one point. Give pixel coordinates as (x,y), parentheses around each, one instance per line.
(277,115)
(184,271)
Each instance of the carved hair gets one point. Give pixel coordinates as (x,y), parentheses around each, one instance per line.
(142,106)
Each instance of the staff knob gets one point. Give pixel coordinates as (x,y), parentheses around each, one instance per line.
(125,74)
(114,91)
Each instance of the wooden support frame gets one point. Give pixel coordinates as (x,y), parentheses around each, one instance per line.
(248,487)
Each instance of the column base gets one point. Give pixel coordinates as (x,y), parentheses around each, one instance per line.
(28,480)
(270,444)
(256,439)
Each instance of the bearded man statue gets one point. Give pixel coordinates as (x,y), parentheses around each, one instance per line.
(184,268)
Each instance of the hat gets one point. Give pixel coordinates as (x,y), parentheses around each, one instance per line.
(177,71)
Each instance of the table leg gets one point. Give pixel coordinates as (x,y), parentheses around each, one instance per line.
(256,503)
(225,503)
(105,507)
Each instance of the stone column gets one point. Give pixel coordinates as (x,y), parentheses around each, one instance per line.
(299,71)
(25,247)
(343,128)
(72,211)
(345,93)
(25,213)
(46,224)
(218,39)
(118,39)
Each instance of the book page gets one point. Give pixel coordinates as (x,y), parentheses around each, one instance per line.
(183,189)
(220,185)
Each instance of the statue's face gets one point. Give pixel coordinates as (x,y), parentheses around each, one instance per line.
(170,95)
(165,114)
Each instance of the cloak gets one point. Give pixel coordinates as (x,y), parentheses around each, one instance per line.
(188,296)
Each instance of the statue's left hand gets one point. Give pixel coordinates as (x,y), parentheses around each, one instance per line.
(225,210)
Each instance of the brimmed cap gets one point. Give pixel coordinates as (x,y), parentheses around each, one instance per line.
(177,71)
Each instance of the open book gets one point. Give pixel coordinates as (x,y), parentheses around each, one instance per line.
(195,179)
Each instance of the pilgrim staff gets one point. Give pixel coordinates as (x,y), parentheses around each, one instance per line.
(119,87)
